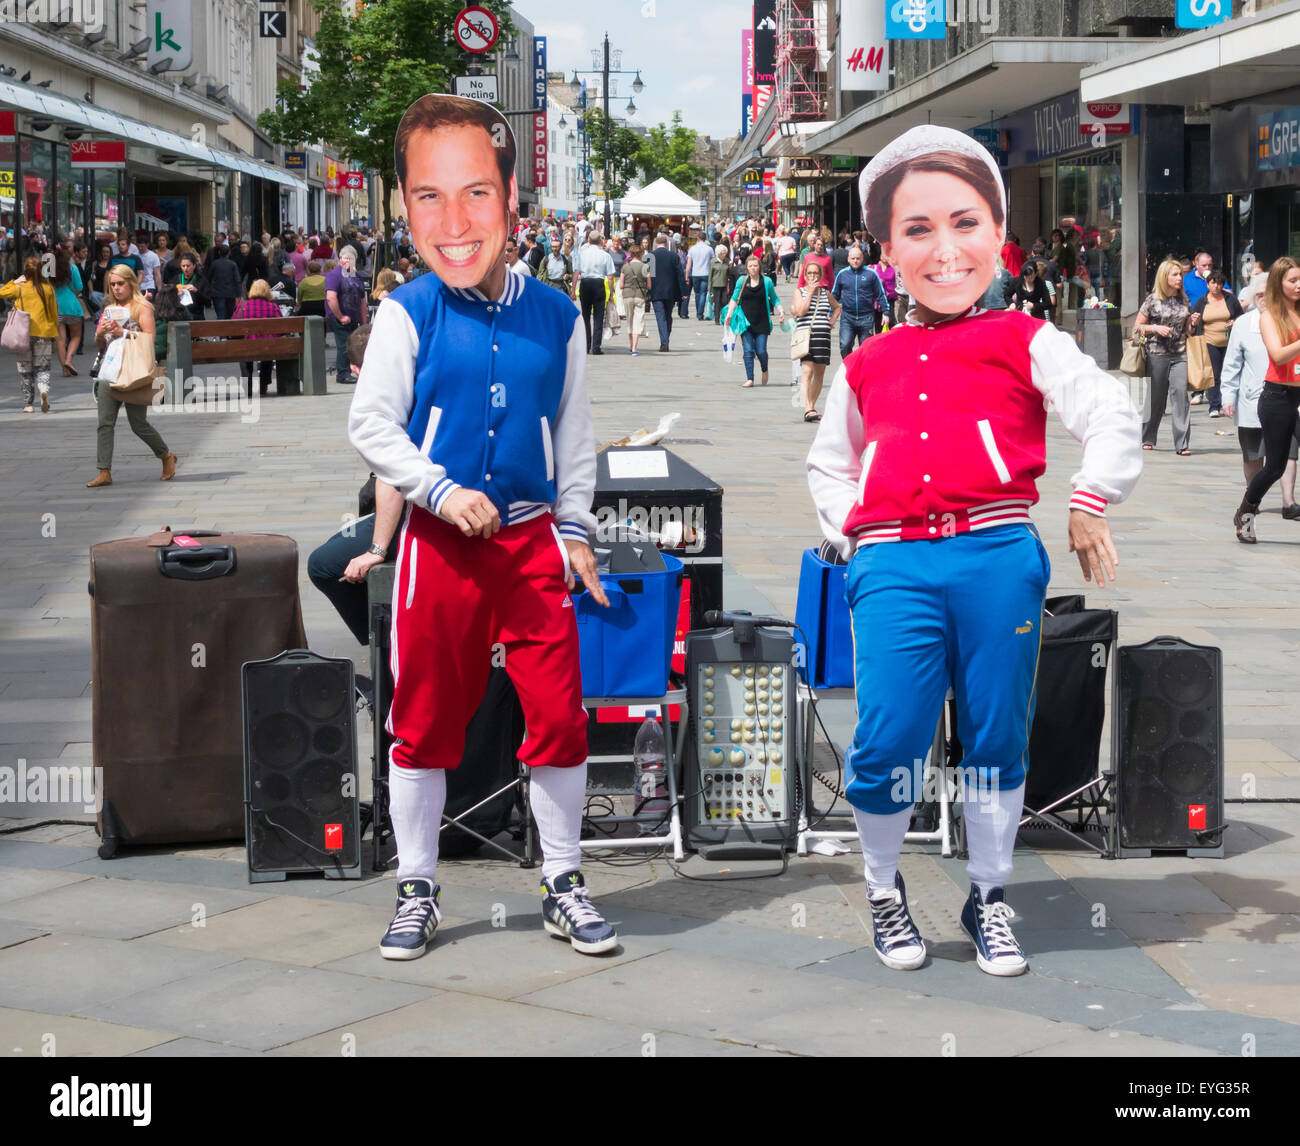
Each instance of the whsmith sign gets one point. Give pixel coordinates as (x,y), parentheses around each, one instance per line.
(1047,131)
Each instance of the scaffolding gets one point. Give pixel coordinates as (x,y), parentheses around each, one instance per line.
(800,36)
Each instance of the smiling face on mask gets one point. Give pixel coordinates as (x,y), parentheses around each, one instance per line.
(945,240)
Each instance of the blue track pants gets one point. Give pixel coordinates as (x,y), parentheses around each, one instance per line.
(962,611)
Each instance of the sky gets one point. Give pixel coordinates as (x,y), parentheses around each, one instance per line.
(688,53)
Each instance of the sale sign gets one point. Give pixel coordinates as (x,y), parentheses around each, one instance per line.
(83,153)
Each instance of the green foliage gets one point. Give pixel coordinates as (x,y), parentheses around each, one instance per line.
(373,66)
(666,153)
(199,240)
(624,151)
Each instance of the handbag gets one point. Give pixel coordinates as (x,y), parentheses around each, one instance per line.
(1200,372)
(1134,360)
(17,333)
(801,342)
(137,363)
(728,344)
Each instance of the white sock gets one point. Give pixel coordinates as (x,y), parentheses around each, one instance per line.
(882,841)
(992,819)
(416,798)
(557,796)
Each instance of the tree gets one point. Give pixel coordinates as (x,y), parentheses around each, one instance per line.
(373,65)
(666,153)
(624,147)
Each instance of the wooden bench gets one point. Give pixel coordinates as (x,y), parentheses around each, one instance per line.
(301,338)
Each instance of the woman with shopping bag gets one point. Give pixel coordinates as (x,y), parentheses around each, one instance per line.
(30,331)
(125,333)
(634,286)
(753,303)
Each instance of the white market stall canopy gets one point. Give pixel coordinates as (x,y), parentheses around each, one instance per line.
(660,198)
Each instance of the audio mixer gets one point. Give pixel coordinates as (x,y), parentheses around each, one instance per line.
(740,776)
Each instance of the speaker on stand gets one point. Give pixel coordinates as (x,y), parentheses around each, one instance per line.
(301,811)
(1169,749)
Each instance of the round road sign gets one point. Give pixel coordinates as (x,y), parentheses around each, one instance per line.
(476,29)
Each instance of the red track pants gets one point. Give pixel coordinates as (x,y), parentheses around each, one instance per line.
(464,604)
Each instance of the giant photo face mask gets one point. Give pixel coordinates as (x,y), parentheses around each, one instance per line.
(455,161)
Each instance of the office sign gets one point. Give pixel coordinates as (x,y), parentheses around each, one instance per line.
(765,41)
(863,48)
(915,20)
(84,153)
(1108,118)
(1202,13)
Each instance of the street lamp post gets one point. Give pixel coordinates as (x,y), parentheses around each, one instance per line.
(637,86)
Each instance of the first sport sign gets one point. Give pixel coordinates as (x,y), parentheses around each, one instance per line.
(475,29)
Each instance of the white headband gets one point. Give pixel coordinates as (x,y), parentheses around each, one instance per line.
(925,140)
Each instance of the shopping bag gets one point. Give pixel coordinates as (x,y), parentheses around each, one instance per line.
(708,306)
(728,344)
(1200,373)
(111,361)
(1134,360)
(137,363)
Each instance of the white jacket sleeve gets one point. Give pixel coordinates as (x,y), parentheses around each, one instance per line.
(835,462)
(1097,410)
(574,444)
(1234,359)
(381,408)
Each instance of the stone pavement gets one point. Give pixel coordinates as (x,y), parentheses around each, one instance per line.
(1196,957)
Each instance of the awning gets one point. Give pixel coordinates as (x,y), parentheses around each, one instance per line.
(1236,60)
(64,110)
(995,79)
(659,198)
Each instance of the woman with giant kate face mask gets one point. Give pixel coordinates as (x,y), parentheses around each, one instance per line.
(923,473)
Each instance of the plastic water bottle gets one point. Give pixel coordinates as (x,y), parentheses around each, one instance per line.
(648,756)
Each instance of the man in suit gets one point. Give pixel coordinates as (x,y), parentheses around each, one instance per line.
(667,286)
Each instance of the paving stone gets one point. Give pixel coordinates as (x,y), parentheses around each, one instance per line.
(121,908)
(12,934)
(196,1048)
(18,884)
(1218,964)
(1220,1031)
(259,1005)
(454,1025)
(29,1033)
(710,997)
(288,930)
(38,855)
(153,864)
(1116,1044)
(65,972)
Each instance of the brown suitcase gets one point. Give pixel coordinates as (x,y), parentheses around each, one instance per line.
(171,626)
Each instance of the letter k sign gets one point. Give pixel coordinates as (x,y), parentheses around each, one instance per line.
(162,37)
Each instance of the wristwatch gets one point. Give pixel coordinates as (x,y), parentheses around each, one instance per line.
(377,550)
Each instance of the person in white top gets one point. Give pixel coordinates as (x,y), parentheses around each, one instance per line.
(514,262)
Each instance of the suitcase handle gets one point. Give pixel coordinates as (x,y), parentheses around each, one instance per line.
(203,563)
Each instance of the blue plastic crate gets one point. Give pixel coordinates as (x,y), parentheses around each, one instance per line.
(627,649)
(822,613)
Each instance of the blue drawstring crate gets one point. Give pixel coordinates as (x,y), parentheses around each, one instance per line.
(627,649)
(822,613)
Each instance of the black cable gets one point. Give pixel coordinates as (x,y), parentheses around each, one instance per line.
(46,824)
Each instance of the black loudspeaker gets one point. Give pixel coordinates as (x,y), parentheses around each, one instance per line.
(301,810)
(1169,748)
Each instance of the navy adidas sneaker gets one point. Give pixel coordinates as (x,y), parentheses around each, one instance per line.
(986,922)
(568,914)
(415,922)
(898,943)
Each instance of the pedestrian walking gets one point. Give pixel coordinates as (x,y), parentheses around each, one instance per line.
(861,295)
(1163,318)
(816,310)
(595,272)
(753,303)
(1245,364)
(722,279)
(221,281)
(556,268)
(125,308)
(667,285)
(699,259)
(67,289)
(634,284)
(1279,327)
(35,297)
(1213,315)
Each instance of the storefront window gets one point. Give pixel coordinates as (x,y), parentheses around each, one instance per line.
(7,210)
(221,182)
(38,178)
(73,192)
(108,200)
(1089,196)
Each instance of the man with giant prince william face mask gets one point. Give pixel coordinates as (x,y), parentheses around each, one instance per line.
(923,472)
(472,402)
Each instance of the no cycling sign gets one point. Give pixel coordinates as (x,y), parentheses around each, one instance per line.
(475,29)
